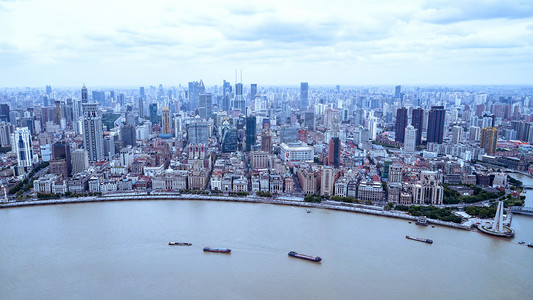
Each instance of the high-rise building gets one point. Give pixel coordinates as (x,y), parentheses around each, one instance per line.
(141,92)
(99,97)
(417,121)
(154,118)
(93,135)
(436,124)
(489,137)
(80,161)
(21,146)
(474,133)
(6,129)
(84,95)
(48,89)
(304,95)
(195,88)
(410,139)
(334,152)
(240,102)
(128,135)
(205,103)
(253,91)
(4,112)
(141,107)
(397,91)
(62,151)
(457,134)
(327,182)
(166,122)
(230,142)
(309,120)
(266,142)
(198,132)
(250,133)
(401,123)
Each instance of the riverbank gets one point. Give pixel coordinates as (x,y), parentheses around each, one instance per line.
(143,197)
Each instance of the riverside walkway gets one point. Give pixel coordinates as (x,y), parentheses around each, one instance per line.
(290,201)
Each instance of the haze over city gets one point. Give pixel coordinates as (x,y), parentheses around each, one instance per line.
(117,43)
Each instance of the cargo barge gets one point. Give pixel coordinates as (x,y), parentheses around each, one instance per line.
(306,257)
(216,250)
(179,244)
(419,239)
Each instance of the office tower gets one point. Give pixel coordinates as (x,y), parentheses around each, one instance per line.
(195,88)
(397,91)
(226,102)
(226,88)
(457,134)
(475,133)
(154,118)
(141,107)
(401,123)
(327,181)
(93,135)
(372,128)
(417,121)
(309,120)
(489,137)
(334,152)
(4,112)
(48,89)
(62,151)
(205,103)
(230,142)
(304,95)
(289,134)
(45,101)
(166,124)
(239,102)
(84,95)
(6,129)
(436,124)
(198,132)
(121,99)
(109,146)
(266,142)
(127,135)
(141,92)
(22,147)
(250,133)
(410,139)
(80,161)
(99,97)
(253,91)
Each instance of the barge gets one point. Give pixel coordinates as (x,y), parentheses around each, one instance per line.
(419,239)
(306,257)
(179,244)
(217,250)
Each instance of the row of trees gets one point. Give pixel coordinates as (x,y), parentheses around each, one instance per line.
(432,212)
(451,196)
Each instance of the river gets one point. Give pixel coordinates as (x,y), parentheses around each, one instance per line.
(118,250)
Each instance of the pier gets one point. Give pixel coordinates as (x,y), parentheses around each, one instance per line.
(522,210)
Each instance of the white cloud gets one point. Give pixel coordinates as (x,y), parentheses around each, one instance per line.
(100,42)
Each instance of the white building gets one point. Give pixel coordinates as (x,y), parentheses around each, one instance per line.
(410,139)
(457,134)
(21,146)
(93,134)
(297,152)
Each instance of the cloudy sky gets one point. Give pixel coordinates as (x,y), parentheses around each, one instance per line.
(348,42)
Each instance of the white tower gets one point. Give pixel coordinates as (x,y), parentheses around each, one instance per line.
(497,225)
(410,139)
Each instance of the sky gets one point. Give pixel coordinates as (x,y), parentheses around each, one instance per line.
(346,42)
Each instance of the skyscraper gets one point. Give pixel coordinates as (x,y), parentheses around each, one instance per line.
(417,121)
(154,118)
(436,124)
(127,135)
(198,132)
(397,91)
(250,133)
(84,95)
(166,124)
(489,137)
(93,135)
(141,92)
(205,103)
(309,120)
(21,146)
(62,151)
(334,152)
(401,123)
(80,161)
(410,138)
(304,95)
(457,134)
(253,91)
(266,142)
(239,102)
(141,107)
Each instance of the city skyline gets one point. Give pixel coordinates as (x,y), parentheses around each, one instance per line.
(347,43)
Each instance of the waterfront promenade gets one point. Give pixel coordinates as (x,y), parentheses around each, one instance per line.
(290,201)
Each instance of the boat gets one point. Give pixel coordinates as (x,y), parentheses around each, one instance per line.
(521,242)
(179,244)
(422,220)
(419,239)
(530,245)
(217,250)
(308,210)
(306,257)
